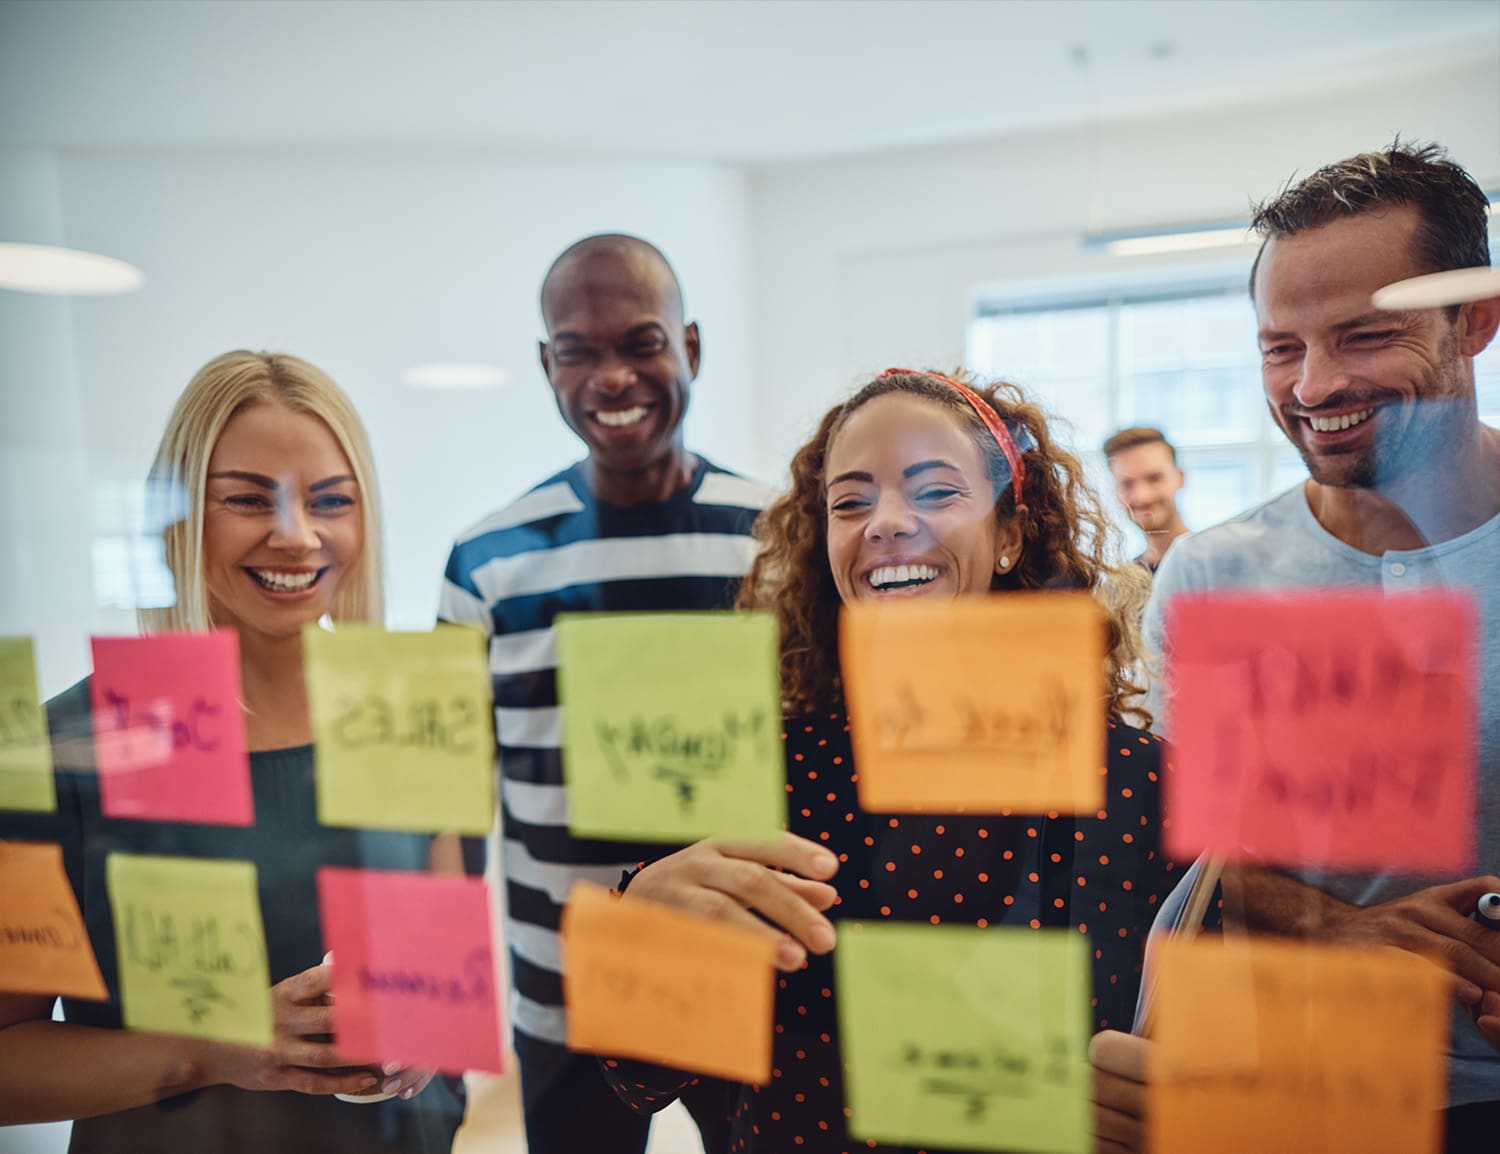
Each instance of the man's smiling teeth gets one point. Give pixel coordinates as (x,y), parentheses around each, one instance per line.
(893,575)
(1334,424)
(619,418)
(285,582)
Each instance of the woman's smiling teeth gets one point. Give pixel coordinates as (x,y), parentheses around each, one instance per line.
(1335,424)
(619,418)
(281,581)
(902,576)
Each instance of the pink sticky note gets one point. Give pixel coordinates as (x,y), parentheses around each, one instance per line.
(1331,728)
(413,968)
(169,731)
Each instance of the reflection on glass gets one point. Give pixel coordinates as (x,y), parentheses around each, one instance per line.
(1061,357)
(1217,488)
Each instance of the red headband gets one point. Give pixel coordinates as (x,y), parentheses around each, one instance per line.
(991,420)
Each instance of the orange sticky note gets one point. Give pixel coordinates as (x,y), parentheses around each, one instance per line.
(979,704)
(646,981)
(1301,1048)
(1331,728)
(44,947)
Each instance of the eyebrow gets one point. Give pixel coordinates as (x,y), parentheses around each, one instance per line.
(270,483)
(640,330)
(1373,317)
(908,472)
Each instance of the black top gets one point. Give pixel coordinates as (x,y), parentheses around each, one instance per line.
(1103,875)
(287,845)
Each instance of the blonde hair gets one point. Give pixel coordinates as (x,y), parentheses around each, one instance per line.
(178,482)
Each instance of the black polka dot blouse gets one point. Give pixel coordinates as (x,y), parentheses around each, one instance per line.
(1103,875)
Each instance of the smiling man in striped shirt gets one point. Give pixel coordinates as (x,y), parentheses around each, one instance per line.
(638,524)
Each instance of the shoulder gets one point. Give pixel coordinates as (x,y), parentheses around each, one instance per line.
(1129,748)
(548,499)
(721,487)
(1242,551)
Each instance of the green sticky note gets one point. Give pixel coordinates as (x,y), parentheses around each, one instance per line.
(191,947)
(25,751)
(403,733)
(671,725)
(966,1038)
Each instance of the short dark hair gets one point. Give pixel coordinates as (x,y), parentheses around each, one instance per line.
(1454,211)
(1137,435)
(614,246)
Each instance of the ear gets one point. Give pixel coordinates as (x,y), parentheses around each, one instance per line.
(694,345)
(1477,322)
(544,354)
(1008,543)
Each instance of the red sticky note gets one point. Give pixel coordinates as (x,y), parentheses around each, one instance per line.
(169,730)
(1332,728)
(413,968)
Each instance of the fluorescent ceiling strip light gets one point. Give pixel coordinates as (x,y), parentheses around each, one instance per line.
(44,268)
(455,377)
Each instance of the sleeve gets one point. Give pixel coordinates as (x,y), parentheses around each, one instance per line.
(644,1086)
(460,603)
(1176,575)
(459,599)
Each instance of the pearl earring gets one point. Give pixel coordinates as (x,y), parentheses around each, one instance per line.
(1004,562)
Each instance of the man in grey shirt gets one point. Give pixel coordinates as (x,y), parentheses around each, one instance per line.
(1404,493)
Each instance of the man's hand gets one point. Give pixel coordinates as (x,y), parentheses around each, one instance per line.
(727,880)
(1119,1062)
(1435,922)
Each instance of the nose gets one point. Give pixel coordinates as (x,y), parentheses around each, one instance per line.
(613,378)
(1323,376)
(293,531)
(891,518)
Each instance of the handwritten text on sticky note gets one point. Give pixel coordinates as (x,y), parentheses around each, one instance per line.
(964,1037)
(169,730)
(191,947)
(1332,728)
(403,731)
(977,704)
(25,751)
(44,946)
(671,725)
(413,968)
(1267,1044)
(646,981)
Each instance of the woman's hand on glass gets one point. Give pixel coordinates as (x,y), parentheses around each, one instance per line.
(731,881)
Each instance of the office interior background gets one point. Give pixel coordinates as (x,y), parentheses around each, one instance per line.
(842,185)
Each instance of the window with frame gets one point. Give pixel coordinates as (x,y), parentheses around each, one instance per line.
(1180,357)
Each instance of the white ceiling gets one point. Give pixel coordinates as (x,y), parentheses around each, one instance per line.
(732,80)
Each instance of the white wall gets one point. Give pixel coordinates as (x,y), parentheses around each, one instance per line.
(363,262)
(860,264)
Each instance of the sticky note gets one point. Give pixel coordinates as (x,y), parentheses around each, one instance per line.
(403,733)
(413,968)
(1269,1044)
(25,751)
(44,946)
(671,725)
(1333,728)
(979,704)
(191,947)
(169,728)
(966,1038)
(647,981)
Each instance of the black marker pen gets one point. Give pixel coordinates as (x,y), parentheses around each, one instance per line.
(1487,912)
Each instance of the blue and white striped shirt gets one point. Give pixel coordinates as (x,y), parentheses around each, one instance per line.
(557,549)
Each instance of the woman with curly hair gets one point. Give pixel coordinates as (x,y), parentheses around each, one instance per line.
(918,486)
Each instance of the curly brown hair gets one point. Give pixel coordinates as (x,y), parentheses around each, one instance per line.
(1065,533)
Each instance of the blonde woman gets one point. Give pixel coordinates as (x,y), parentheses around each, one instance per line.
(274,525)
